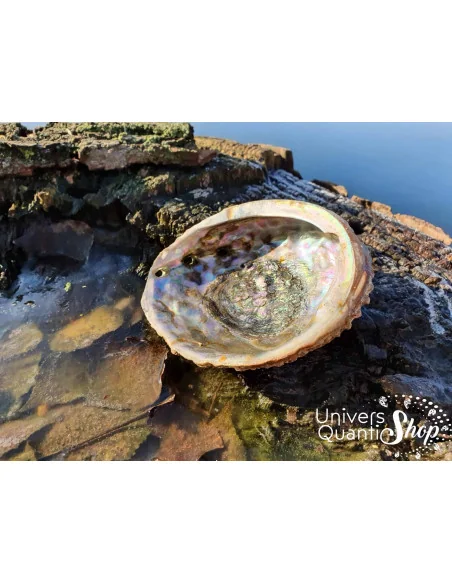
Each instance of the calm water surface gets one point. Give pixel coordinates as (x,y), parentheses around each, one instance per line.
(407,166)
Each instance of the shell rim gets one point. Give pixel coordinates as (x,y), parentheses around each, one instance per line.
(355,294)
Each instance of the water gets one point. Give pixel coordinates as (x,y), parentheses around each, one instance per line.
(74,361)
(405,165)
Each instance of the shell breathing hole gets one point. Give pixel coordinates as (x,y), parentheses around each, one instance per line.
(189,260)
(223,252)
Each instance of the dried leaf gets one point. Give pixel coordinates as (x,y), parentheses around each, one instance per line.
(129,377)
(184,435)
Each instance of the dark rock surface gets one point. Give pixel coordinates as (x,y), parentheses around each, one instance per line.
(331,186)
(71,239)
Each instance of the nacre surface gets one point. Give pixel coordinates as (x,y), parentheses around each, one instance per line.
(258,284)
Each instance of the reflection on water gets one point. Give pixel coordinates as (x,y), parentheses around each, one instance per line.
(401,164)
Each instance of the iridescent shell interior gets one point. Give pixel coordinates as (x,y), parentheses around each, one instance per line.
(256,285)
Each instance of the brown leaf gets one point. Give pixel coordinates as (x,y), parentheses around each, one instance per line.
(129,376)
(184,435)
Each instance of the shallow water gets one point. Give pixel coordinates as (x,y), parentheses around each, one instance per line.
(73,355)
(405,165)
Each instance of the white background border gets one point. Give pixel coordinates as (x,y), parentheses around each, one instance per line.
(228,61)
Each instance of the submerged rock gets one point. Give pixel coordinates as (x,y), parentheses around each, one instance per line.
(84,331)
(81,423)
(20,340)
(15,433)
(233,449)
(71,239)
(16,379)
(129,377)
(26,454)
(184,435)
(63,378)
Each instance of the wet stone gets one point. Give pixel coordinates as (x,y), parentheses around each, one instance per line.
(26,454)
(16,432)
(84,331)
(19,341)
(81,423)
(63,378)
(71,239)
(183,435)
(16,379)
(128,376)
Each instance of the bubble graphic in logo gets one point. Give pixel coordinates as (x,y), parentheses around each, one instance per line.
(427,425)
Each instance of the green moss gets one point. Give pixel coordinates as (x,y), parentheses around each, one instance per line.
(256,425)
(27,152)
(13,131)
(298,443)
(152,132)
(131,189)
(253,416)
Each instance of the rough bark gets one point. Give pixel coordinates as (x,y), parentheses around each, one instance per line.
(99,146)
(271,157)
